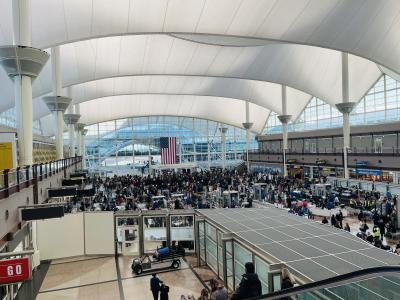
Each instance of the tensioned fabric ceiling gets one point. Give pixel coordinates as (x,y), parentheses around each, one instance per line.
(204,58)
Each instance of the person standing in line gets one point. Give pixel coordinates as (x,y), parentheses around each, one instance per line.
(382,228)
(339,218)
(333,221)
(155,285)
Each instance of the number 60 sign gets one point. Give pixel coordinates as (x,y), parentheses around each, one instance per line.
(14,270)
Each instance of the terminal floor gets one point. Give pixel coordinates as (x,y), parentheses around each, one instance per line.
(103,278)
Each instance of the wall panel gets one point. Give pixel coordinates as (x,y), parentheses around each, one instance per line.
(58,238)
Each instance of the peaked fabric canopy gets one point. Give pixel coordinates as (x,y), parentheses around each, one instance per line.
(217,53)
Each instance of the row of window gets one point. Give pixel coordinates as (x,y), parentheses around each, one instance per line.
(381,104)
(192,135)
(8,119)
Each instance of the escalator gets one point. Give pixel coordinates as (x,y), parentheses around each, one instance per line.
(379,283)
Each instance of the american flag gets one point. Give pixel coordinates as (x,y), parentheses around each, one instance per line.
(168,150)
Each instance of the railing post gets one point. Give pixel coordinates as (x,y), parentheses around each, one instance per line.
(35,184)
(65,168)
(18,179)
(27,175)
(41,172)
(6,183)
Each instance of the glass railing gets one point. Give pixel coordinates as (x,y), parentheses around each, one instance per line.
(381,283)
(13,180)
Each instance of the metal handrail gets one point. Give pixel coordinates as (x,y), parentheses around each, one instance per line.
(333,282)
(13,180)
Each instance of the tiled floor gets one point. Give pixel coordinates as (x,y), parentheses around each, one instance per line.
(97,278)
(182,282)
(103,291)
(77,273)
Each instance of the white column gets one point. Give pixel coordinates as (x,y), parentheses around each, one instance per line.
(71,137)
(346,115)
(116,156)
(194,142)
(345,108)
(78,142)
(223,145)
(208,147)
(23,84)
(58,114)
(22,64)
(247,125)
(284,118)
(82,142)
(77,133)
(24,118)
(133,156)
(83,145)
(22,22)
(59,134)
(71,126)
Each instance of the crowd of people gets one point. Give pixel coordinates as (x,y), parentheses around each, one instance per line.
(132,192)
(374,207)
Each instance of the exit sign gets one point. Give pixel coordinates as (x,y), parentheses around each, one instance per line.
(14,270)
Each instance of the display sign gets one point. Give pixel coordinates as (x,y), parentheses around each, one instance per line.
(368,172)
(361,163)
(61,192)
(321,162)
(291,161)
(42,213)
(14,270)
(6,155)
(70,182)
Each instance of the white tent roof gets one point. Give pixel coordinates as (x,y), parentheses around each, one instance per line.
(225,50)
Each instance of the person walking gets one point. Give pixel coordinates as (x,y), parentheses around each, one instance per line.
(155,285)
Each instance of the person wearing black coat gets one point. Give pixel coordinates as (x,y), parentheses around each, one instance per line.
(333,221)
(155,285)
(382,228)
(164,290)
(249,286)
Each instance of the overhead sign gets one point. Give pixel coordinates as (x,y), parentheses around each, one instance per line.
(14,270)
(291,161)
(42,213)
(368,172)
(361,163)
(321,162)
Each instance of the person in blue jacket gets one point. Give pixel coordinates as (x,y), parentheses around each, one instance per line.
(155,283)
